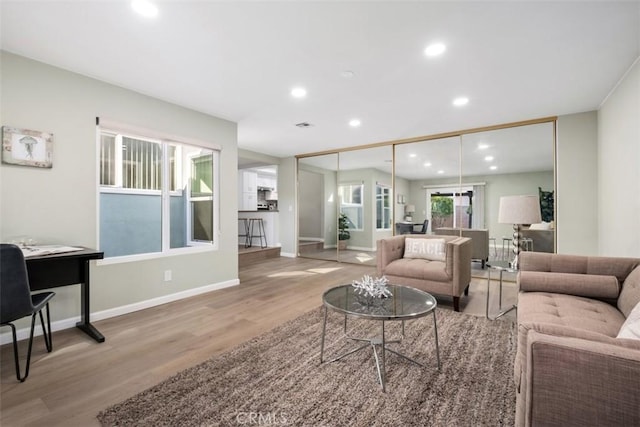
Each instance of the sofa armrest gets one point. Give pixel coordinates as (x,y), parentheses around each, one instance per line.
(458,263)
(584,285)
(572,381)
(388,250)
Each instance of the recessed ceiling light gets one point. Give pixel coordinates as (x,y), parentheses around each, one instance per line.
(488,158)
(412,155)
(427,164)
(460,101)
(440,171)
(145,8)
(298,92)
(435,49)
(494,167)
(347,74)
(482,146)
(354,123)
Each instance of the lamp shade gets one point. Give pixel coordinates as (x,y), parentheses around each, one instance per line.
(519,210)
(409,209)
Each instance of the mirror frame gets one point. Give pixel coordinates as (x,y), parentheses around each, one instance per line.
(459,134)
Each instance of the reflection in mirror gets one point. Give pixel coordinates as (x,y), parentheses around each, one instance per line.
(428,175)
(508,162)
(365,200)
(317,210)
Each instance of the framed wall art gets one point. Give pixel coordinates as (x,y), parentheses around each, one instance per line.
(27,147)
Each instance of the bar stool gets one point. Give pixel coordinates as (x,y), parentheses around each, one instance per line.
(495,249)
(261,234)
(504,254)
(527,243)
(245,224)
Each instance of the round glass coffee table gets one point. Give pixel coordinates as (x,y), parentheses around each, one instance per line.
(405,303)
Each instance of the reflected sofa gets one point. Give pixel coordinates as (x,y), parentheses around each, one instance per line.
(541,240)
(449,277)
(479,240)
(571,369)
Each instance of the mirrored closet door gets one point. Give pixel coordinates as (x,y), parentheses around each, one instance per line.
(317,208)
(365,202)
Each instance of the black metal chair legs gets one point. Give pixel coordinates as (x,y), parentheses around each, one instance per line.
(46,333)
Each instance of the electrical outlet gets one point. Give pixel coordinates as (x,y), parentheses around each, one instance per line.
(167,275)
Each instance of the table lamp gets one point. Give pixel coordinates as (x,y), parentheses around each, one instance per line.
(408,210)
(518,210)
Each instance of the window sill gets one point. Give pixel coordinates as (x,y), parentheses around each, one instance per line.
(157,255)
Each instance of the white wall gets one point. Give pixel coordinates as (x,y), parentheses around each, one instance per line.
(287,205)
(619,169)
(59,205)
(577,184)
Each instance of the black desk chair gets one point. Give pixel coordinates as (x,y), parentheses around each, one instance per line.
(423,230)
(17,302)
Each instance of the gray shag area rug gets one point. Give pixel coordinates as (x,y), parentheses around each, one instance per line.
(276,379)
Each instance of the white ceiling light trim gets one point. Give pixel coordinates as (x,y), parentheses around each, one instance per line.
(435,49)
(354,123)
(145,8)
(298,92)
(488,158)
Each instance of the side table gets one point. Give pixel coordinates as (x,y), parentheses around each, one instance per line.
(500,266)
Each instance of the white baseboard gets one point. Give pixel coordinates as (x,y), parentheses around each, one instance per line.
(288,254)
(59,325)
(310,239)
(360,248)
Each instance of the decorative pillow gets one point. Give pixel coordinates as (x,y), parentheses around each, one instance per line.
(541,226)
(431,249)
(630,294)
(631,327)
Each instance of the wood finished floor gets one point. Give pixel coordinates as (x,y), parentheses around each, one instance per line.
(69,386)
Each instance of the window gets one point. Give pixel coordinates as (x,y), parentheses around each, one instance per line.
(453,209)
(155,195)
(351,204)
(383,207)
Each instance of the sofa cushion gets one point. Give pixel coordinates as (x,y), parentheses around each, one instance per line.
(418,269)
(631,327)
(431,249)
(584,285)
(630,293)
(571,311)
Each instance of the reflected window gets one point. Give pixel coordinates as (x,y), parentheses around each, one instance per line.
(383,207)
(351,204)
(454,209)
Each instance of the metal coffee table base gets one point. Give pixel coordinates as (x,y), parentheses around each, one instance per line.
(373,343)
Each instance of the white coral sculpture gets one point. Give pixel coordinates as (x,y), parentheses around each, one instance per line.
(375,287)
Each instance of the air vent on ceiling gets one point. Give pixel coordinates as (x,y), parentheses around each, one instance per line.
(304,124)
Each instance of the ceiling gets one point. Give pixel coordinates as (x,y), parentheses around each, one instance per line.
(513,150)
(239,60)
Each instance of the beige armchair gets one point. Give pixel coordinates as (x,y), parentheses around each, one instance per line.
(449,277)
(479,240)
